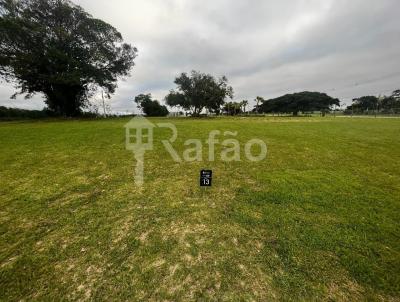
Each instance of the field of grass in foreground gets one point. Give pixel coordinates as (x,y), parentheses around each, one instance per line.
(319,219)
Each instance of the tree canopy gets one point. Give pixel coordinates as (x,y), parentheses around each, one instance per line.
(385,104)
(233,108)
(54,47)
(366,103)
(198,91)
(244,105)
(149,106)
(299,102)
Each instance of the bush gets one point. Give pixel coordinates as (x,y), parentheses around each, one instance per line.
(16,113)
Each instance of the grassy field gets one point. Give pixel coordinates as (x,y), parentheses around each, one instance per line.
(319,219)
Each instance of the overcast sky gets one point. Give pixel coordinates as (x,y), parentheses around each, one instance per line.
(346,48)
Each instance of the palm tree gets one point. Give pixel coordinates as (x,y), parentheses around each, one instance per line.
(244,104)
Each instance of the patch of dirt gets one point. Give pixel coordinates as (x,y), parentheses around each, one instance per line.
(143,236)
(9,261)
(345,291)
(122,231)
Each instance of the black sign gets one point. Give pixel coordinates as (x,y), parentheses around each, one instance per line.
(205,178)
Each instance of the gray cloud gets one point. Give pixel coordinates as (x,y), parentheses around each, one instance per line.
(267,48)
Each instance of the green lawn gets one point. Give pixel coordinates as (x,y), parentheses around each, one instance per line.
(319,219)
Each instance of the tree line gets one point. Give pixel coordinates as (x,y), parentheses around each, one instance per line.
(199,92)
(55,48)
(372,104)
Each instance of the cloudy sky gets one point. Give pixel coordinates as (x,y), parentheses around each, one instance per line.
(346,48)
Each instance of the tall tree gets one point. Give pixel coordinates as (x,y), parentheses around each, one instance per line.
(198,91)
(54,47)
(244,104)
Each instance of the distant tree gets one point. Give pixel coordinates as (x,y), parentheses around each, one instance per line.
(244,104)
(149,106)
(233,108)
(259,100)
(366,103)
(391,104)
(299,102)
(54,47)
(396,94)
(388,103)
(385,104)
(198,91)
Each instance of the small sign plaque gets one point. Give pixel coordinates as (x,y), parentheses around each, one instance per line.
(205,178)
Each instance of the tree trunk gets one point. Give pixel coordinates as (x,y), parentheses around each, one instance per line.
(65,100)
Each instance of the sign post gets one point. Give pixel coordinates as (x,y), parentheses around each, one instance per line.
(205,178)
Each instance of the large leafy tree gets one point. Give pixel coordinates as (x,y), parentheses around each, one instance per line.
(54,47)
(300,102)
(198,91)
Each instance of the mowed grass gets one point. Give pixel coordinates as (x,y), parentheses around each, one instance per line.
(319,219)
